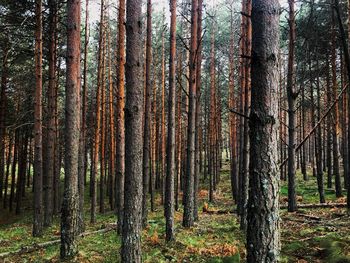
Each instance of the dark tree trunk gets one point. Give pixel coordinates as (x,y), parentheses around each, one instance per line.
(69,218)
(50,163)
(170,175)
(292,97)
(147,117)
(38,162)
(188,218)
(132,224)
(263,237)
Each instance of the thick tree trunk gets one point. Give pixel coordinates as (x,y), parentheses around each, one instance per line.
(132,224)
(263,237)
(188,218)
(38,160)
(69,219)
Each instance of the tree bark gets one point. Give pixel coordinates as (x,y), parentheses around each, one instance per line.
(69,219)
(170,175)
(38,160)
(120,130)
(263,237)
(188,218)
(292,97)
(147,117)
(132,224)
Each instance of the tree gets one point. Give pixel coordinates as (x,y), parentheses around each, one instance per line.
(48,212)
(132,220)
(170,175)
(120,132)
(69,219)
(263,238)
(188,218)
(38,161)
(292,96)
(147,118)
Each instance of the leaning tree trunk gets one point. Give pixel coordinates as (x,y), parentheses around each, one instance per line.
(131,237)
(69,218)
(38,158)
(169,201)
(263,237)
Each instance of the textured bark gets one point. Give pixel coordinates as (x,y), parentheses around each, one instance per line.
(188,218)
(83,141)
(38,160)
(147,117)
(246,96)
(50,163)
(169,201)
(132,224)
(120,130)
(69,218)
(292,97)
(263,237)
(13,171)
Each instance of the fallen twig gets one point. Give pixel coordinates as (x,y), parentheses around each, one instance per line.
(34,247)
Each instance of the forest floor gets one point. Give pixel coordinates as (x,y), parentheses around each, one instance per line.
(309,235)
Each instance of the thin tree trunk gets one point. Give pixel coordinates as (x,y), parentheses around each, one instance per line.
(188,219)
(170,175)
(38,162)
(147,117)
(120,132)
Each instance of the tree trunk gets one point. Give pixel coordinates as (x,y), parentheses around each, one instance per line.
(120,132)
(170,175)
(263,237)
(38,160)
(48,197)
(188,219)
(131,238)
(82,142)
(98,119)
(292,97)
(147,117)
(338,188)
(69,219)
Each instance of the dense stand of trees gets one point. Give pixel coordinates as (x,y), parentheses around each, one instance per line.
(130,111)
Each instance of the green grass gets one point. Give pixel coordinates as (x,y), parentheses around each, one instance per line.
(216,238)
